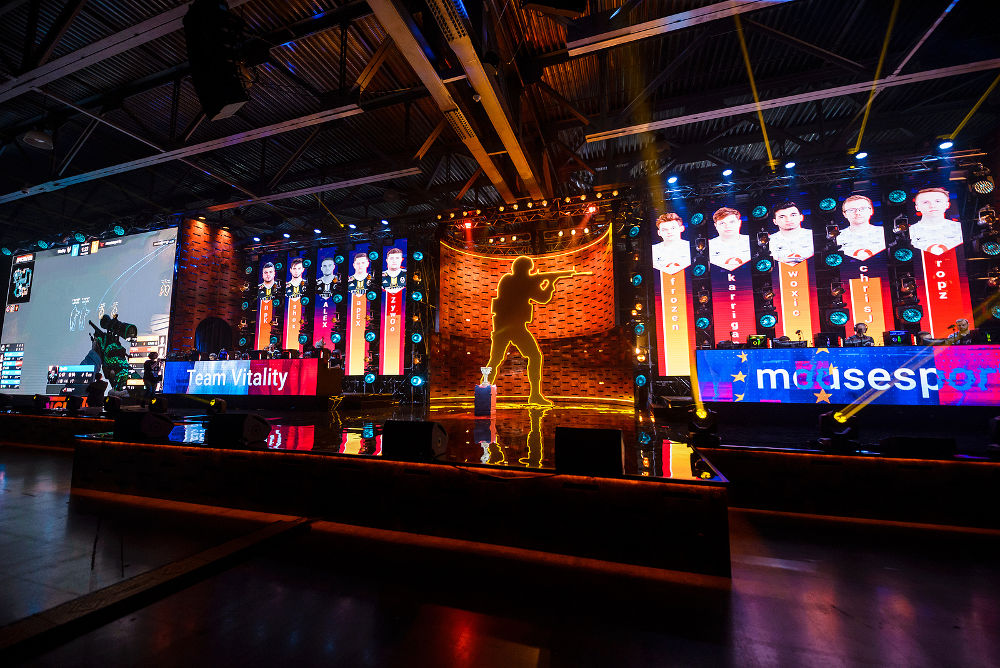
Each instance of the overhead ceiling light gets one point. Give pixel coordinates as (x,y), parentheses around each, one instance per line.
(317,230)
(789,165)
(946,144)
(38,139)
(727,172)
(256,240)
(672,179)
(385,222)
(861,155)
(352,226)
(286,235)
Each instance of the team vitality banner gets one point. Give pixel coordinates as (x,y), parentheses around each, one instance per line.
(325,319)
(674,323)
(870,298)
(943,287)
(732,302)
(393,321)
(929,376)
(359,284)
(268,290)
(249,377)
(795,300)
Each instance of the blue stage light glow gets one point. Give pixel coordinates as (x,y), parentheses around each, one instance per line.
(767,321)
(903,254)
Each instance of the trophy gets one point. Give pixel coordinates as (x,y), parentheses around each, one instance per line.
(485,400)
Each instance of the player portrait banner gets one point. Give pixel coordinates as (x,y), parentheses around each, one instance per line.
(393,321)
(942,284)
(360,293)
(732,302)
(904,376)
(870,298)
(268,291)
(674,323)
(328,280)
(296,298)
(795,300)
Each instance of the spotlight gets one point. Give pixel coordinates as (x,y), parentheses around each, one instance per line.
(614,193)
(514,206)
(946,144)
(468,224)
(79,237)
(981,182)
(703,428)
(317,230)
(118,230)
(352,226)
(836,433)
(500,209)
(256,240)
(672,179)
(216,406)
(592,209)
(727,172)
(586,230)
(385,222)
(861,155)
(6,251)
(560,232)
(416,381)
(287,235)
(790,164)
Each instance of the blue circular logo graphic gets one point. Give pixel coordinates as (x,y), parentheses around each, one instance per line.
(636,280)
(276,301)
(274,339)
(645,438)
(373,255)
(697,219)
(372,295)
(838,317)
(417,337)
(303,339)
(897,196)
(641,380)
(305,301)
(640,329)
(827,204)
(249,270)
(699,269)
(307,263)
(278,265)
(369,378)
(702,323)
(245,305)
(243,341)
(767,321)
(369,337)
(834,260)
(633,231)
(764,264)
(418,256)
(417,296)
(912,314)
(416,381)
(759,211)
(903,254)
(339,259)
(337,298)
(336,337)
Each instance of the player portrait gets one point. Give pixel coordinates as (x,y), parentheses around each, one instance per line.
(327,279)
(672,254)
(394,276)
(730,249)
(860,240)
(934,233)
(360,280)
(791,243)
(296,286)
(268,287)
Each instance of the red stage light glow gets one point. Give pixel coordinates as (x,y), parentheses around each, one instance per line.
(468,224)
(592,209)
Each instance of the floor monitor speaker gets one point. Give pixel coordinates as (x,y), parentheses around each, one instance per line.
(413,441)
(142,427)
(238,431)
(590,452)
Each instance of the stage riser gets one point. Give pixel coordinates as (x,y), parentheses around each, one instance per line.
(48,430)
(648,523)
(909,490)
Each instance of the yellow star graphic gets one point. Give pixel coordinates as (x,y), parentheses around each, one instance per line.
(743,357)
(822,395)
(739,377)
(822,350)
(739,397)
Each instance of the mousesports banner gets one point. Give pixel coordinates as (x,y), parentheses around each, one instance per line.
(244,377)
(923,376)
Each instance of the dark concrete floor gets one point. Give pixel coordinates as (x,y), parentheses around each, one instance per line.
(805,591)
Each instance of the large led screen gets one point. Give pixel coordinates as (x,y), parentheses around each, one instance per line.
(54,295)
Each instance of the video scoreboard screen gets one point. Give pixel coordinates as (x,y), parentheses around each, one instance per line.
(54,295)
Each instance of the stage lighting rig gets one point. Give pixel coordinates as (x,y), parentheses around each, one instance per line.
(703,428)
(981,181)
(837,434)
(988,232)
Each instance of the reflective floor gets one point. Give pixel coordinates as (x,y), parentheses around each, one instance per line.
(516,436)
(804,592)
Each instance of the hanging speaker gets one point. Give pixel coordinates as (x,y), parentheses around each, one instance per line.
(413,441)
(142,427)
(590,452)
(214,38)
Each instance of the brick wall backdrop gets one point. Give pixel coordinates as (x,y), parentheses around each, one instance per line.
(582,305)
(207,284)
(585,354)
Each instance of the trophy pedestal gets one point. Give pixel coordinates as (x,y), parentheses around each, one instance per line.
(485,403)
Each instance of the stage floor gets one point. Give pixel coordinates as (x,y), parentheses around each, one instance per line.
(517,437)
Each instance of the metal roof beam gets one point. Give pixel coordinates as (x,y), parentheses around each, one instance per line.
(860,87)
(120,42)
